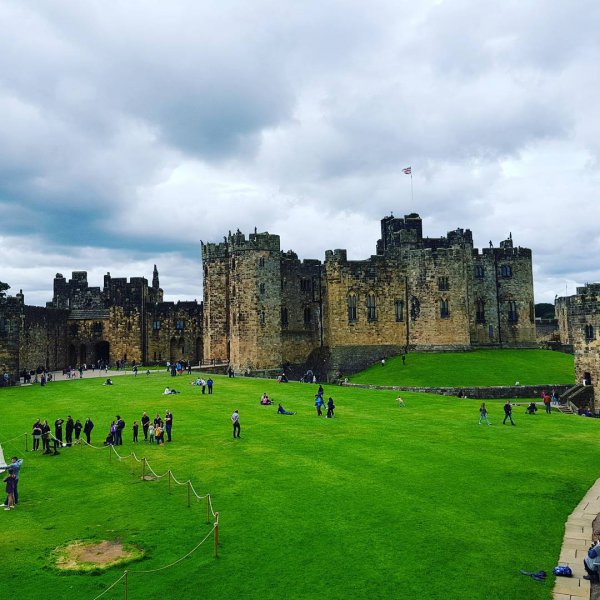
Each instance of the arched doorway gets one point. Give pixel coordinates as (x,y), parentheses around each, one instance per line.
(72,356)
(102,352)
(82,354)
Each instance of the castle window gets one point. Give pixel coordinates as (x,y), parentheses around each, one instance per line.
(179,324)
(261,317)
(156,325)
(305,285)
(352,308)
(399,310)
(444,309)
(480,311)
(307,316)
(506,271)
(479,272)
(284,317)
(443,285)
(261,261)
(371,309)
(261,287)
(589,333)
(513,316)
(97,328)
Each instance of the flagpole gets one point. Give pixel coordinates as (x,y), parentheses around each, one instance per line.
(412,199)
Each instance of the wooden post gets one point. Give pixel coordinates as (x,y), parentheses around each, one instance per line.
(189,492)
(125,585)
(25,442)
(216,535)
(169,481)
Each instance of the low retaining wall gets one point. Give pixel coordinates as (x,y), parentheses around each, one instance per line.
(482,393)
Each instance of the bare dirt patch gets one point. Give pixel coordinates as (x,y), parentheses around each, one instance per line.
(85,556)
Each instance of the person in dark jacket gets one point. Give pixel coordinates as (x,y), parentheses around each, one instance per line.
(508,413)
(145,423)
(69,430)
(58,429)
(119,426)
(87,429)
(77,427)
(46,437)
(330,407)
(36,434)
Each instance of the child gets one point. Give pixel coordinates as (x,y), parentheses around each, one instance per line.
(135,431)
(158,434)
(10,489)
(151,433)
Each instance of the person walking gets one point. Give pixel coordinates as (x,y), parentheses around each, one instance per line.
(235,419)
(319,404)
(508,413)
(483,414)
(548,403)
(330,408)
(87,429)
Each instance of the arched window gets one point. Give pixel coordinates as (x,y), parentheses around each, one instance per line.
(506,271)
(479,271)
(284,317)
(589,332)
(399,310)
(261,316)
(261,287)
(371,309)
(351,308)
(513,316)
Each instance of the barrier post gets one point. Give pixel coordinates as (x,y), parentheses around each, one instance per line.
(169,481)
(216,535)
(189,492)
(25,442)
(125,585)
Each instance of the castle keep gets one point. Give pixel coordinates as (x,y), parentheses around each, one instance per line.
(264,308)
(125,320)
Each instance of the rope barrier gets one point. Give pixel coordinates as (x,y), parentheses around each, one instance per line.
(112,586)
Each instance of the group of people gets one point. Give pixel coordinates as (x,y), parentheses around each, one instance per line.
(320,404)
(530,410)
(204,384)
(154,432)
(483,414)
(12,482)
(42,432)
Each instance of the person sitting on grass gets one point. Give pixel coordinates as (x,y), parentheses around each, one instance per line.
(282,411)
(531,409)
(265,400)
(108,382)
(169,391)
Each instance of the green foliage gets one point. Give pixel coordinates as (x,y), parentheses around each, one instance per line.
(380,502)
(3,288)
(544,310)
(479,368)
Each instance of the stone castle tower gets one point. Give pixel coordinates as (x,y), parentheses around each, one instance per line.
(264,308)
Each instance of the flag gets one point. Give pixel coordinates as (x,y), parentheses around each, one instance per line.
(407,171)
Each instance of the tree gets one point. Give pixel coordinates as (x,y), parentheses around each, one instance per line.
(544,310)
(3,288)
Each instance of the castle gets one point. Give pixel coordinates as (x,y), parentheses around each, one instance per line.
(264,308)
(579,323)
(125,320)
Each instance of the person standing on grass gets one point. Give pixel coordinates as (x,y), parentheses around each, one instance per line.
(483,414)
(135,431)
(87,429)
(235,420)
(168,424)
(145,423)
(10,490)
(36,434)
(209,385)
(508,413)
(151,433)
(319,404)
(77,427)
(547,403)
(46,437)
(69,430)
(330,407)
(58,430)
(15,467)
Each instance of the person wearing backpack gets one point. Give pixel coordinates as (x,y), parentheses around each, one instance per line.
(592,563)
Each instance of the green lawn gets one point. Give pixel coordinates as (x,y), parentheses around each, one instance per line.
(380,502)
(478,368)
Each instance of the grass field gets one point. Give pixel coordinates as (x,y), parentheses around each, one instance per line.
(380,502)
(478,368)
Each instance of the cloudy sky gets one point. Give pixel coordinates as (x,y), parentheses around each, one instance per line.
(130,131)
